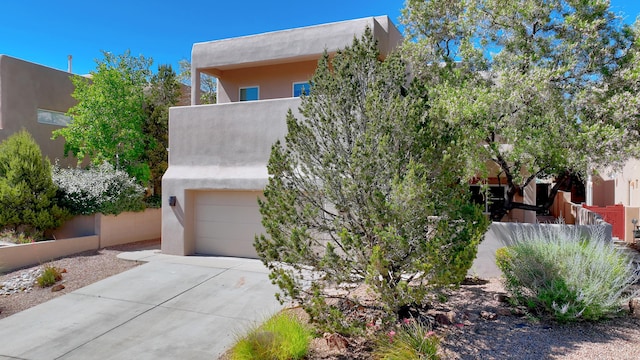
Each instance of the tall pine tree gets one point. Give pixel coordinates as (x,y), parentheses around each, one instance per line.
(366,189)
(163,92)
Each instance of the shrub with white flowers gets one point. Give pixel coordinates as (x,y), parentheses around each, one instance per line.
(101,189)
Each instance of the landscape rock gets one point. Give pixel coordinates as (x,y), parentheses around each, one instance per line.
(335,341)
(445,318)
(22,282)
(488,315)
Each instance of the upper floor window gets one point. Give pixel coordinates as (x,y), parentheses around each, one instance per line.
(249,93)
(300,88)
(53,117)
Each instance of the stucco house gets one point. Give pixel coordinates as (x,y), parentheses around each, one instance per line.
(218,153)
(615,195)
(36,98)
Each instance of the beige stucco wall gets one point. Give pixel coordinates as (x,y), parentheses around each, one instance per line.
(78,226)
(26,87)
(604,191)
(528,197)
(16,256)
(225,147)
(563,207)
(621,186)
(305,44)
(274,81)
(124,228)
(627,184)
(216,147)
(129,227)
(84,233)
(630,213)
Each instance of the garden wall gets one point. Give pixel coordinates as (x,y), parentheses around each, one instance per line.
(129,227)
(500,234)
(17,256)
(83,233)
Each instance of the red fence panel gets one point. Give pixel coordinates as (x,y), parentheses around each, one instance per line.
(613,214)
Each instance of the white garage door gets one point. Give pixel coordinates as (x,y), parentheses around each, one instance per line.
(226,223)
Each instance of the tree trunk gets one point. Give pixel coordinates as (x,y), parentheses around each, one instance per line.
(563,181)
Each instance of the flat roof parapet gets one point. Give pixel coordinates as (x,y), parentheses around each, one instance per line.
(291,45)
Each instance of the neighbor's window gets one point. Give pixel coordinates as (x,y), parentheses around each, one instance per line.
(53,117)
(300,88)
(249,93)
(490,199)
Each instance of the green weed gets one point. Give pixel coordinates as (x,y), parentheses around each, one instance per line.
(50,276)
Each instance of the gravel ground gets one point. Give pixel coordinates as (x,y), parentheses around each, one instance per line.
(512,336)
(484,327)
(81,270)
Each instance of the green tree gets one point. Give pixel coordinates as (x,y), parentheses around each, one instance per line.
(164,92)
(525,80)
(619,104)
(27,193)
(109,117)
(366,188)
(208,84)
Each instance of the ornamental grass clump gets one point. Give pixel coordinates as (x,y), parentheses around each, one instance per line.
(282,337)
(558,271)
(410,341)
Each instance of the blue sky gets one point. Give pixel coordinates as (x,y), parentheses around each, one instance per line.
(45,31)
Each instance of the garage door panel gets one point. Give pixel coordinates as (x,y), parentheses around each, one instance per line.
(226,247)
(228,198)
(207,229)
(232,214)
(226,223)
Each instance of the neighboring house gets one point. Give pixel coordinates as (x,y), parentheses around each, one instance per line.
(35,98)
(615,195)
(616,187)
(218,153)
(496,184)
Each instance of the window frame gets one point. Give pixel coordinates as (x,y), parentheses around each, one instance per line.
(257,87)
(293,88)
(58,118)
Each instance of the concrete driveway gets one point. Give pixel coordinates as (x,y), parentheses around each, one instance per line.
(172,307)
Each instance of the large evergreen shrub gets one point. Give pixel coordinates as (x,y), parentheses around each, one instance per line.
(27,193)
(366,189)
